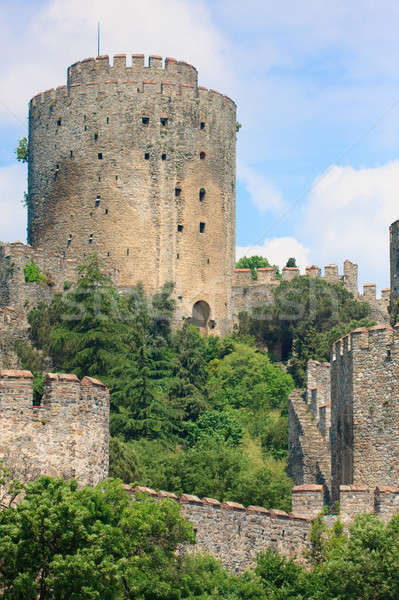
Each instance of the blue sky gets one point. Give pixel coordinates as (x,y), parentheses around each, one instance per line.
(317,89)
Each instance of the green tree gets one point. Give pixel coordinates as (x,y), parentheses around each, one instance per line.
(22,150)
(291,262)
(61,542)
(303,319)
(364,564)
(247,378)
(254,263)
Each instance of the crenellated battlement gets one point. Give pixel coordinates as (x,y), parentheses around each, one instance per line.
(380,338)
(65,433)
(123,67)
(235,534)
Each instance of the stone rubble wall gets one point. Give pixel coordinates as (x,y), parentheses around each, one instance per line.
(308,499)
(66,436)
(235,534)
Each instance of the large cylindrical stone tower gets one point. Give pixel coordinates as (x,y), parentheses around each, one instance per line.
(138,163)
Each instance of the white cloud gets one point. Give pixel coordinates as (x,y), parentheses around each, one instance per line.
(348,216)
(263,194)
(61,33)
(12,211)
(278,251)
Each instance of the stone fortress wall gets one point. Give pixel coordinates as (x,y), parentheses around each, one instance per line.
(248,293)
(66,435)
(138,163)
(344,429)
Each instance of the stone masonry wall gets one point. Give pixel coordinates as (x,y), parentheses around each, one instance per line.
(364,408)
(309,460)
(247,293)
(15,292)
(66,436)
(235,534)
(138,163)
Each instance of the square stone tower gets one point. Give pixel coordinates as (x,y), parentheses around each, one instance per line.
(365,409)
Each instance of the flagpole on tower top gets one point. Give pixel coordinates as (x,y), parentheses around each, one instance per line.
(98,39)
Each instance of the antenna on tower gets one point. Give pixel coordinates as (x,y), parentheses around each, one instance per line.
(98,39)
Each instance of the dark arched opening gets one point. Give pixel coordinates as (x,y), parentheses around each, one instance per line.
(201,313)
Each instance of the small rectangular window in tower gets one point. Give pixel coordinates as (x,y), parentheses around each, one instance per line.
(95,136)
(177,191)
(163,156)
(164,121)
(177,255)
(99,178)
(91,239)
(107,120)
(127,251)
(180,298)
(145,121)
(85,127)
(208,261)
(180,228)
(108,253)
(202,227)
(59,123)
(97,202)
(71,153)
(202,125)
(106,211)
(100,156)
(147,155)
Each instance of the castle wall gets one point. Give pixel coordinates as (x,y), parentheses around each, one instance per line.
(15,292)
(309,460)
(235,534)
(364,410)
(66,436)
(138,163)
(248,294)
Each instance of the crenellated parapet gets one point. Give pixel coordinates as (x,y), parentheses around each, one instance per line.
(122,67)
(234,533)
(63,434)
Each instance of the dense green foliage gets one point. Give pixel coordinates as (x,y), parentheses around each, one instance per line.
(65,543)
(254,263)
(307,315)
(188,412)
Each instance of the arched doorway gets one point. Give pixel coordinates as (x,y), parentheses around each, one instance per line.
(200,315)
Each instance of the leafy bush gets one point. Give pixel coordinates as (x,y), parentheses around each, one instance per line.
(33,274)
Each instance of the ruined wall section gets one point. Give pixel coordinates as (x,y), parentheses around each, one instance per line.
(65,436)
(138,163)
(365,412)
